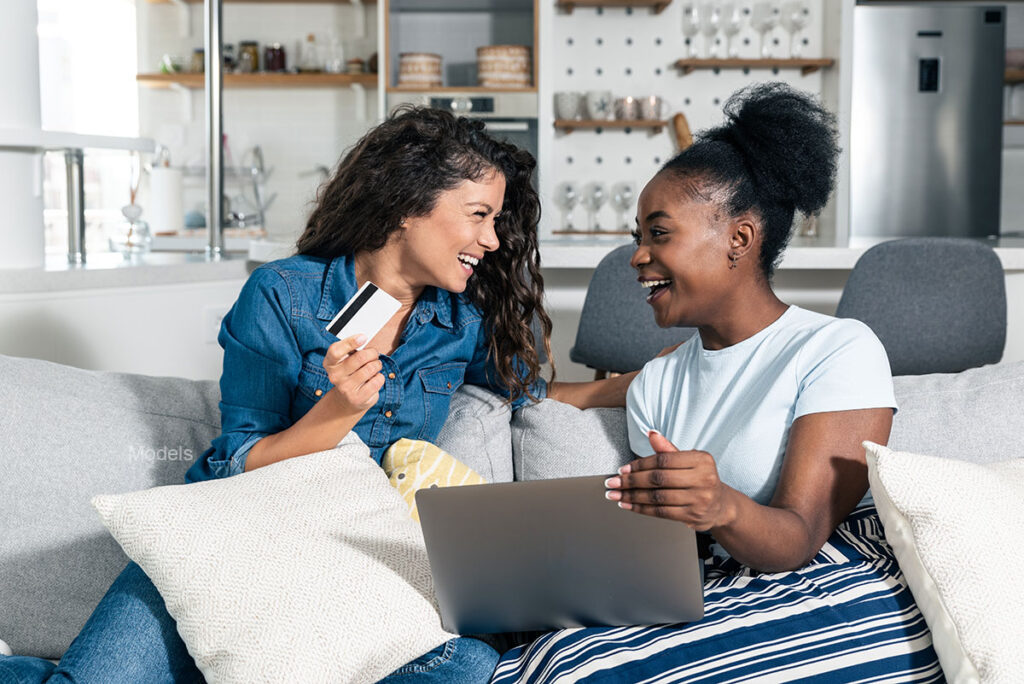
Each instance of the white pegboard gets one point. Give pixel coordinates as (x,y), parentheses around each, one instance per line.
(630,51)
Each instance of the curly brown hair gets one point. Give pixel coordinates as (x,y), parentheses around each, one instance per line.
(397,171)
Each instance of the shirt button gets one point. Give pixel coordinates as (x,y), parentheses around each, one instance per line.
(391,376)
(449,385)
(387,414)
(319,392)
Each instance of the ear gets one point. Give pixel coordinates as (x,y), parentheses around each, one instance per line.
(744,234)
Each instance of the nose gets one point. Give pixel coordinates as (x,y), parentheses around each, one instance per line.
(640,257)
(489,238)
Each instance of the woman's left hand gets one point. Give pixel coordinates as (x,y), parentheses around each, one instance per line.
(673,484)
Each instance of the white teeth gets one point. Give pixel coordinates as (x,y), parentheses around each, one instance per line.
(472,261)
(652,283)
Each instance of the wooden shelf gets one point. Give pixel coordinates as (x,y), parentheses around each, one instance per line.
(459,89)
(1014,76)
(806,66)
(260,80)
(1014,122)
(569,125)
(570,5)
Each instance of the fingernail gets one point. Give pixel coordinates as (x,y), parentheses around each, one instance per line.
(652,432)
(360,339)
(624,470)
(613,482)
(612,495)
(627,506)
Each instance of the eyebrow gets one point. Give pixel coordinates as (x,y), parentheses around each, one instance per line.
(656,215)
(481,204)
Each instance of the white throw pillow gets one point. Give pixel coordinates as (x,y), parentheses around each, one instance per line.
(957,529)
(307,570)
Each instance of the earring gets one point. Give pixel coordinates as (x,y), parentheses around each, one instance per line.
(733,258)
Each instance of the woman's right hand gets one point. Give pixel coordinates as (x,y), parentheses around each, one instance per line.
(355,374)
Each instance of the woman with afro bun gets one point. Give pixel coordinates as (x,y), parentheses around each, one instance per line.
(750,432)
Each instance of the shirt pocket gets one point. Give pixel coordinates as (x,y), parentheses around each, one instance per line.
(313,385)
(439,383)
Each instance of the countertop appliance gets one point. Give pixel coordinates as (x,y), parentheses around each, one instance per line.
(926,138)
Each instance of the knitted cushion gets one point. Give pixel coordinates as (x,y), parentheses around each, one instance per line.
(944,519)
(307,570)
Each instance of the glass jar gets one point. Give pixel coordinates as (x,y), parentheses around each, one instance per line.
(198,64)
(274,57)
(249,56)
(133,237)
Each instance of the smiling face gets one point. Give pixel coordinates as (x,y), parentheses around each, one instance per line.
(682,254)
(443,247)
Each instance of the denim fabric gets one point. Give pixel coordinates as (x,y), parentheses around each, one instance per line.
(275,338)
(463,660)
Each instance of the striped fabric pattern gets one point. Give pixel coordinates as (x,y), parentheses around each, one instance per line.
(848,616)
(413,464)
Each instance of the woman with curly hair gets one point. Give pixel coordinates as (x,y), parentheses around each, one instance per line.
(750,432)
(442,217)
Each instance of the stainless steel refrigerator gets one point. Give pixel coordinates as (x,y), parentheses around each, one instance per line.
(926,124)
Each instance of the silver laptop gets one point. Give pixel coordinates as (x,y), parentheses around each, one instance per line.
(550,554)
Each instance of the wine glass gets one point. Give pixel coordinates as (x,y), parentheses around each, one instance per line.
(622,199)
(691,27)
(594,197)
(763,18)
(710,17)
(567,194)
(794,18)
(731,21)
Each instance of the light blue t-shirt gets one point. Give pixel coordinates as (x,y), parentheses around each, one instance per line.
(738,403)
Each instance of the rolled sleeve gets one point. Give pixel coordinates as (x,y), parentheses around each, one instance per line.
(482,371)
(262,361)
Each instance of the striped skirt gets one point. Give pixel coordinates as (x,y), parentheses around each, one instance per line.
(848,616)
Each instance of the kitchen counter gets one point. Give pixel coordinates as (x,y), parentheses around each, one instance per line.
(106,270)
(802,254)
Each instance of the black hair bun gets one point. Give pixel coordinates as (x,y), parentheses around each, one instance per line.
(787,140)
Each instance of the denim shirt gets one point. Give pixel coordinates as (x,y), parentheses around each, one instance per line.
(275,338)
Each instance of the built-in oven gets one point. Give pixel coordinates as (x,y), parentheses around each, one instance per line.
(508,116)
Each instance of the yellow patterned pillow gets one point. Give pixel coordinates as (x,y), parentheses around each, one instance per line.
(412,465)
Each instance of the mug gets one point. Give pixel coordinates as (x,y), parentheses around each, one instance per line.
(627,108)
(599,104)
(652,108)
(568,105)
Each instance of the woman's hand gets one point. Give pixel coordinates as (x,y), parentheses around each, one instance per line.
(679,485)
(355,374)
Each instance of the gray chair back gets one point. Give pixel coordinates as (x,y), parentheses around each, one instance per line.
(617,332)
(938,305)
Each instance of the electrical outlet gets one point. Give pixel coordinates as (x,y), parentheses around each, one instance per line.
(212,316)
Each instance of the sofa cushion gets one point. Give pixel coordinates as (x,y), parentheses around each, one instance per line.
(412,465)
(552,439)
(477,433)
(941,517)
(306,570)
(974,415)
(66,435)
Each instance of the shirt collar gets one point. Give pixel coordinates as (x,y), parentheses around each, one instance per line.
(341,278)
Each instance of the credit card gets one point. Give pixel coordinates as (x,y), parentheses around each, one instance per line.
(367,312)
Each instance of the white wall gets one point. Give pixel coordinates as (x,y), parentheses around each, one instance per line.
(155,330)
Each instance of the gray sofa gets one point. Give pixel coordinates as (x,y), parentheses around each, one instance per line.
(68,434)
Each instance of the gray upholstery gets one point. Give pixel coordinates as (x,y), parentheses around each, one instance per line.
(477,433)
(938,305)
(68,434)
(971,416)
(617,331)
(552,439)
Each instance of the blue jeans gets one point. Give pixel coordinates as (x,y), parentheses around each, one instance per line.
(131,637)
